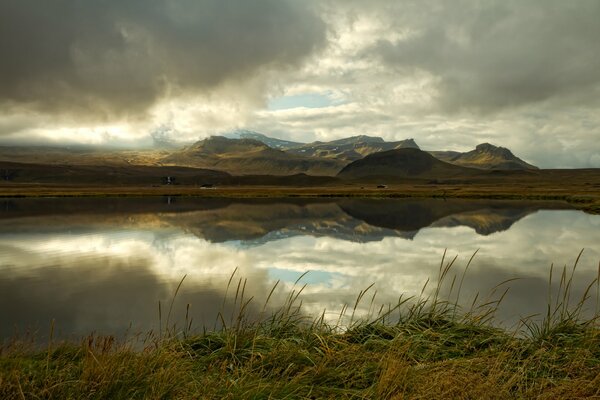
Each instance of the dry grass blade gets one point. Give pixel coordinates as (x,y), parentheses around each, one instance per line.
(173,302)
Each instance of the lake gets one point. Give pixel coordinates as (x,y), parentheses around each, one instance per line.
(103,265)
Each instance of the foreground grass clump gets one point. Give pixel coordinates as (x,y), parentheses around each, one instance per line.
(421,348)
(431,358)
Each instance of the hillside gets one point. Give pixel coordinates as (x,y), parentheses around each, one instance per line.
(269,141)
(80,155)
(106,175)
(248,157)
(485,156)
(403,163)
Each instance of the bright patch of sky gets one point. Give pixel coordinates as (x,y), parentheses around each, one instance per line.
(306,100)
(310,277)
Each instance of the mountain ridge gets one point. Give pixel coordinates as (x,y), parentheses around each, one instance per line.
(252,153)
(248,157)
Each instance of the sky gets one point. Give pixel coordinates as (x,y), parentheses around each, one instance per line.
(523,74)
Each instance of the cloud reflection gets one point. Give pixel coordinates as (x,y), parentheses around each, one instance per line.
(102,277)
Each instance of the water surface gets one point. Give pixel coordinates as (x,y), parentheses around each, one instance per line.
(103,265)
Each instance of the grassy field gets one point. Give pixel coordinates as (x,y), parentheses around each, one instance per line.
(421,348)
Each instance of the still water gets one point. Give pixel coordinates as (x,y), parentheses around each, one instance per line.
(103,265)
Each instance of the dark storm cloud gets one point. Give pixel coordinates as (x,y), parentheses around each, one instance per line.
(489,55)
(120,56)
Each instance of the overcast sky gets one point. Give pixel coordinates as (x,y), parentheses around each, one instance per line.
(523,74)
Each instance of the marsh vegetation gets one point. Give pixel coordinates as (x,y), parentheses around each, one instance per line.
(427,346)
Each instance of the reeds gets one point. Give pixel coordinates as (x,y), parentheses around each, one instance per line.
(427,346)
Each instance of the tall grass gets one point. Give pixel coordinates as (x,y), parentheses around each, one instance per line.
(427,346)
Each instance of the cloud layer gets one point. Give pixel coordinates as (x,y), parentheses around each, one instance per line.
(121,56)
(490,55)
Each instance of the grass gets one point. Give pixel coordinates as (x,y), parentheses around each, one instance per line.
(427,347)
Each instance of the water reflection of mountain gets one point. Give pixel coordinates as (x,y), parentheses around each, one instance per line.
(362,220)
(485,217)
(257,221)
(486,221)
(260,222)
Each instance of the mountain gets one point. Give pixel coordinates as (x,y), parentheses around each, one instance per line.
(348,149)
(485,156)
(269,141)
(248,157)
(352,148)
(252,153)
(403,163)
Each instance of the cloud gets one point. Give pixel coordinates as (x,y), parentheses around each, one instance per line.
(119,57)
(492,55)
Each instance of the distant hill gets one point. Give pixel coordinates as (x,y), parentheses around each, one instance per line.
(352,148)
(403,163)
(248,157)
(485,156)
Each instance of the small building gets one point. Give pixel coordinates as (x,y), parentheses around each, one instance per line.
(381,186)
(168,180)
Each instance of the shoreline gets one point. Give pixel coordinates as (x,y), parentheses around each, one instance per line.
(581,198)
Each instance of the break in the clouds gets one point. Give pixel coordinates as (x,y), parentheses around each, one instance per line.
(520,74)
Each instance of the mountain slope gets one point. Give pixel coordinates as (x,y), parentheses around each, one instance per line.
(272,142)
(352,148)
(485,156)
(248,157)
(403,163)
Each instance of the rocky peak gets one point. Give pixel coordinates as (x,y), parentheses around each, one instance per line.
(410,143)
(494,150)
